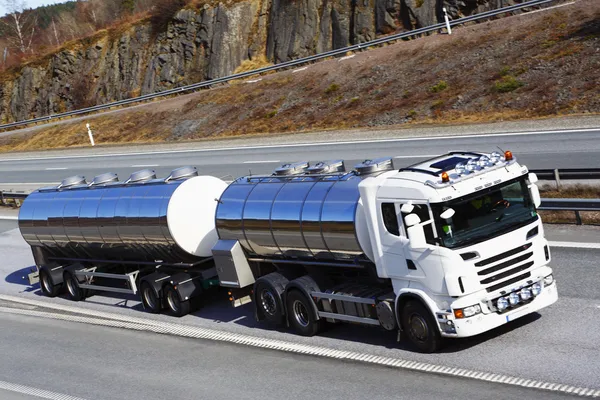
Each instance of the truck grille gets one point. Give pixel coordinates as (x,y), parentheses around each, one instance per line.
(499,271)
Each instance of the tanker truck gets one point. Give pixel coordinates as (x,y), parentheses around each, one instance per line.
(146,236)
(447,248)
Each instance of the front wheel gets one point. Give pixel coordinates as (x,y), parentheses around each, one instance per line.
(420,327)
(301,314)
(175,305)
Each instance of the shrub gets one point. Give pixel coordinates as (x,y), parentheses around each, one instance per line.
(255,63)
(508,83)
(334,87)
(505,71)
(271,114)
(440,86)
(163,12)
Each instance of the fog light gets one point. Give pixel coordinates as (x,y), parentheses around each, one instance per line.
(536,289)
(513,299)
(525,294)
(501,304)
(548,280)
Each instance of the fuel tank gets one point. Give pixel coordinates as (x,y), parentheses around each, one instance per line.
(300,211)
(141,219)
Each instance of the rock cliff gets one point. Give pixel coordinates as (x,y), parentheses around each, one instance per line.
(205,44)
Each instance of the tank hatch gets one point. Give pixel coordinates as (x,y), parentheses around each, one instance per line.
(107,177)
(182,173)
(72,181)
(326,167)
(376,165)
(292,168)
(141,176)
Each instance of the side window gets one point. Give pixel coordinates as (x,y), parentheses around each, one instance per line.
(423,212)
(390,220)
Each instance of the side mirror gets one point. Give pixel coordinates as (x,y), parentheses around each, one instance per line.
(532,177)
(416,237)
(407,209)
(411,220)
(535,195)
(449,213)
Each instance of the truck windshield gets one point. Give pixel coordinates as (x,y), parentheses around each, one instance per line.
(485,214)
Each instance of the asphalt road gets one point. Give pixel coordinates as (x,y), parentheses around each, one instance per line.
(576,149)
(95,362)
(560,344)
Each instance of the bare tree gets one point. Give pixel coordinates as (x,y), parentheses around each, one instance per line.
(20,28)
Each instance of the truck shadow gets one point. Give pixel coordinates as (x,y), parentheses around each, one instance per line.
(19,277)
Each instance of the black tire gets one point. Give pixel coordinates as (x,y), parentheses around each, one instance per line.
(420,328)
(149,298)
(74,292)
(268,302)
(301,314)
(49,288)
(175,306)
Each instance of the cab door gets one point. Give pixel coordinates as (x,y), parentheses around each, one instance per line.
(393,239)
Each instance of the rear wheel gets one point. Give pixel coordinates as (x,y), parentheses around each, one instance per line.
(47,284)
(301,314)
(74,292)
(150,299)
(175,305)
(268,302)
(420,327)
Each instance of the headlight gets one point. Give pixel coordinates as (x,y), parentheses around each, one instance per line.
(536,289)
(467,311)
(513,299)
(548,280)
(502,304)
(525,294)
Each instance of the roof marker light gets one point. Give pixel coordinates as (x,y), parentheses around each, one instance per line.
(508,155)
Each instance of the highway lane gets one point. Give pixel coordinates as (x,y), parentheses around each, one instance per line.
(537,150)
(560,344)
(95,362)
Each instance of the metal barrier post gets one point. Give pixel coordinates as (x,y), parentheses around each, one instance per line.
(448,28)
(557,179)
(578,218)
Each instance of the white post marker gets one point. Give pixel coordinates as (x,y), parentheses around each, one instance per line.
(90,134)
(447,21)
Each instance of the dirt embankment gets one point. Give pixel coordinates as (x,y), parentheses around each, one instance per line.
(533,65)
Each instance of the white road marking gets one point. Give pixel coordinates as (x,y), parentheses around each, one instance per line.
(260,161)
(421,156)
(144,165)
(347,57)
(546,9)
(56,169)
(139,324)
(254,80)
(30,391)
(8,218)
(575,245)
(311,144)
(27,183)
(299,69)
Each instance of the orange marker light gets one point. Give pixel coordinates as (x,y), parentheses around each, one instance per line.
(508,155)
(445,177)
(459,313)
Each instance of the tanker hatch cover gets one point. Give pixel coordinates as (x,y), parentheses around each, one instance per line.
(107,177)
(141,176)
(292,168)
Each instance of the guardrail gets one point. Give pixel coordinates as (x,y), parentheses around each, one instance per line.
(567,174)
(287,64)
(576,205)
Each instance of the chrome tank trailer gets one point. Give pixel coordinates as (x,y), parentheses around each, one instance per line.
(300,211)
(142,219)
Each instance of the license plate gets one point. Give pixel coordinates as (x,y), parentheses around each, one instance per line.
(518,314)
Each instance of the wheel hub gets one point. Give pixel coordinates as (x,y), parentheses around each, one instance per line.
(418,327)
(300,313)
(268,302)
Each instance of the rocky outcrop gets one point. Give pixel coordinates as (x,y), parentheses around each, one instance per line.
(206,44)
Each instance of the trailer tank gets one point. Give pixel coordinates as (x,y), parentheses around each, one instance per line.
(300,211)
(141,219)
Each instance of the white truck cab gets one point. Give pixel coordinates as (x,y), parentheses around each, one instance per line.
(460,232)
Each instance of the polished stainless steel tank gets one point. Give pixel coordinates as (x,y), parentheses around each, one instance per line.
(141,219)
(299,211)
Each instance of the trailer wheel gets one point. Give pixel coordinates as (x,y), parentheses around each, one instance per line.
(74,292)
(47,284)
(268,301)
(175,305)
(420,327)
(150,299)
(301,314)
